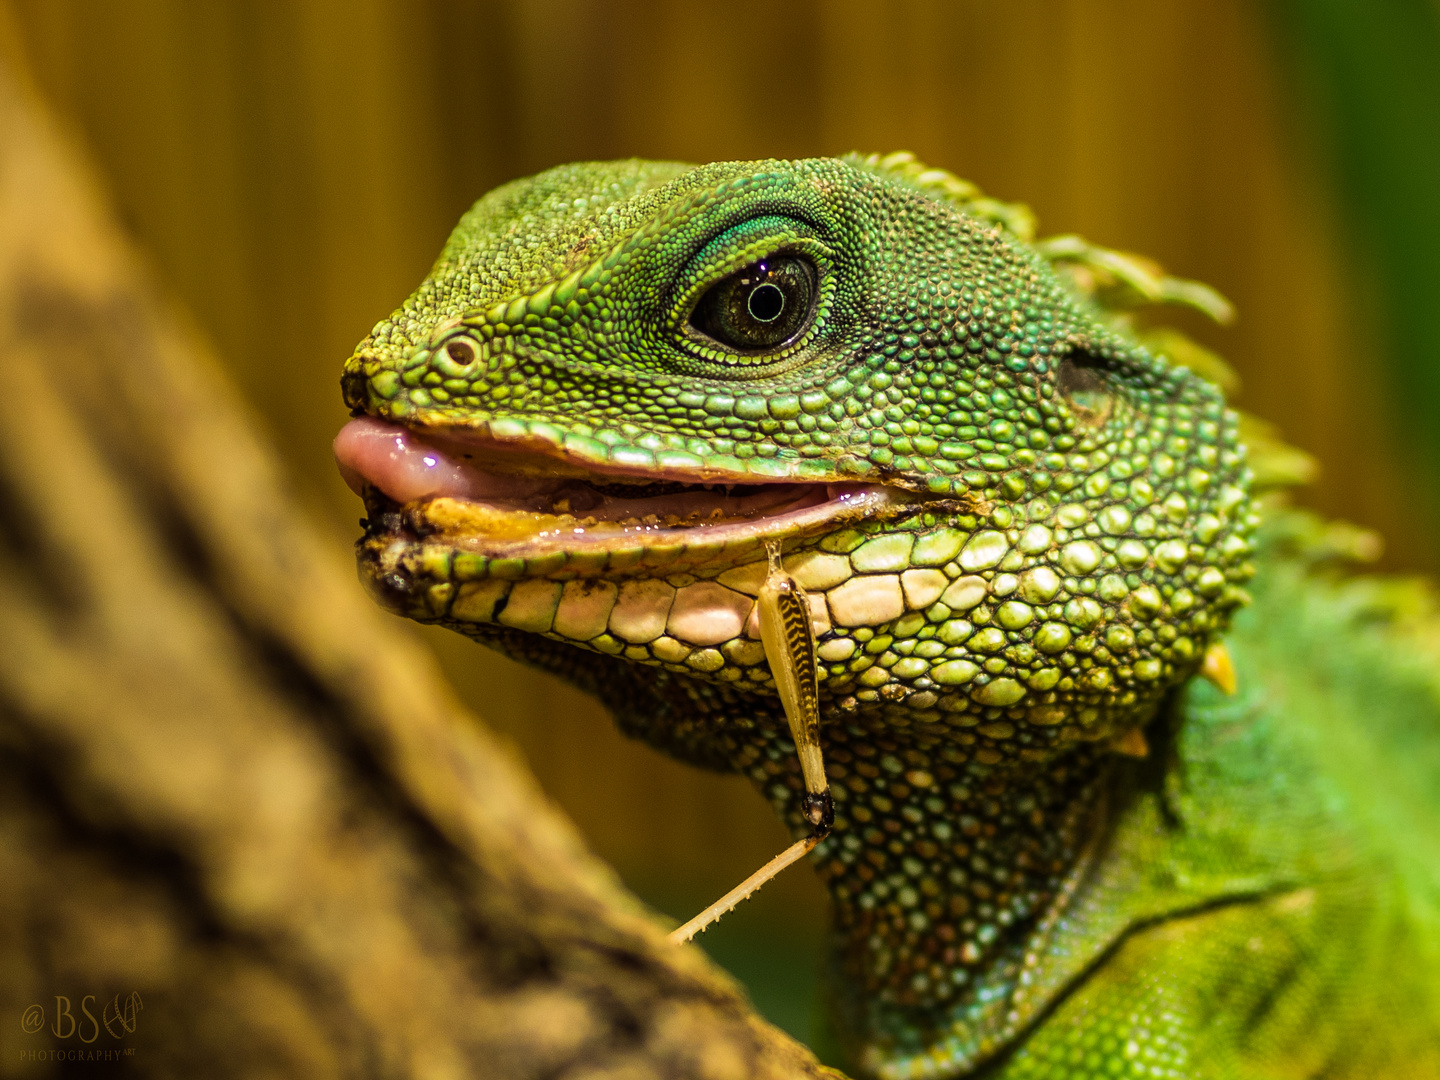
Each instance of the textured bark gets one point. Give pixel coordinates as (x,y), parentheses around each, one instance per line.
(232,785)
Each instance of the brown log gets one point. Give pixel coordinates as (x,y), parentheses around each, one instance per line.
(228,783)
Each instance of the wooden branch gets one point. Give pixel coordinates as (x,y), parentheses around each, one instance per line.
(231,784)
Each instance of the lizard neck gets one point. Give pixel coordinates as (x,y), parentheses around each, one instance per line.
(940,867)
(944,871)
(947,862)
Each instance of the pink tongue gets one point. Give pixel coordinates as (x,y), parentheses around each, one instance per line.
(404,468)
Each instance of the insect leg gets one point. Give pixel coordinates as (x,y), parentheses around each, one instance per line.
(789,642)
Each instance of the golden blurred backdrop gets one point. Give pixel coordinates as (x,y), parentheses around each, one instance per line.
(293,168)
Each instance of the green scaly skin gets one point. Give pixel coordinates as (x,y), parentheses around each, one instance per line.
(1067,526)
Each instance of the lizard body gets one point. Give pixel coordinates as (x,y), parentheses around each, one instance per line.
(1020,529)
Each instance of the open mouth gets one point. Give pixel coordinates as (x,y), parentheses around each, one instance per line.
(492,495)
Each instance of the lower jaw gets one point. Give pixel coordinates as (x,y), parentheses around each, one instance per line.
(429,560)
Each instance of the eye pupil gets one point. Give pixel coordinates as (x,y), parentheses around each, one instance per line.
(765,305)
(766,302)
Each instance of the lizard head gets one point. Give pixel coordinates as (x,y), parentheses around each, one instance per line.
(1018,527)
(620,380)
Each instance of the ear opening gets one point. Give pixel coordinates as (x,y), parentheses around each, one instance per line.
(1083,381)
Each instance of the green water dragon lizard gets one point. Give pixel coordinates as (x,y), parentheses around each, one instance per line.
(1022,518)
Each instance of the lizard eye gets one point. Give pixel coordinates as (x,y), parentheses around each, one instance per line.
(762,306)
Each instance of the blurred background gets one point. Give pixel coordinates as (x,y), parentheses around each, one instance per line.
(292,169)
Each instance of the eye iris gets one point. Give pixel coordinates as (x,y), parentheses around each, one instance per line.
(764,305)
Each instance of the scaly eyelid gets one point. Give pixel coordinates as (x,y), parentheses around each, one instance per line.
(704,271)
(720,256)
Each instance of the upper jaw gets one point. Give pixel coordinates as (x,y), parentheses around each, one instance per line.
(511,497)
(492,460)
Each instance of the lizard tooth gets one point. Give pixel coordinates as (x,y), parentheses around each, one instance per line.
(641,609)
(707,613)
(867,601)
(584,610)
